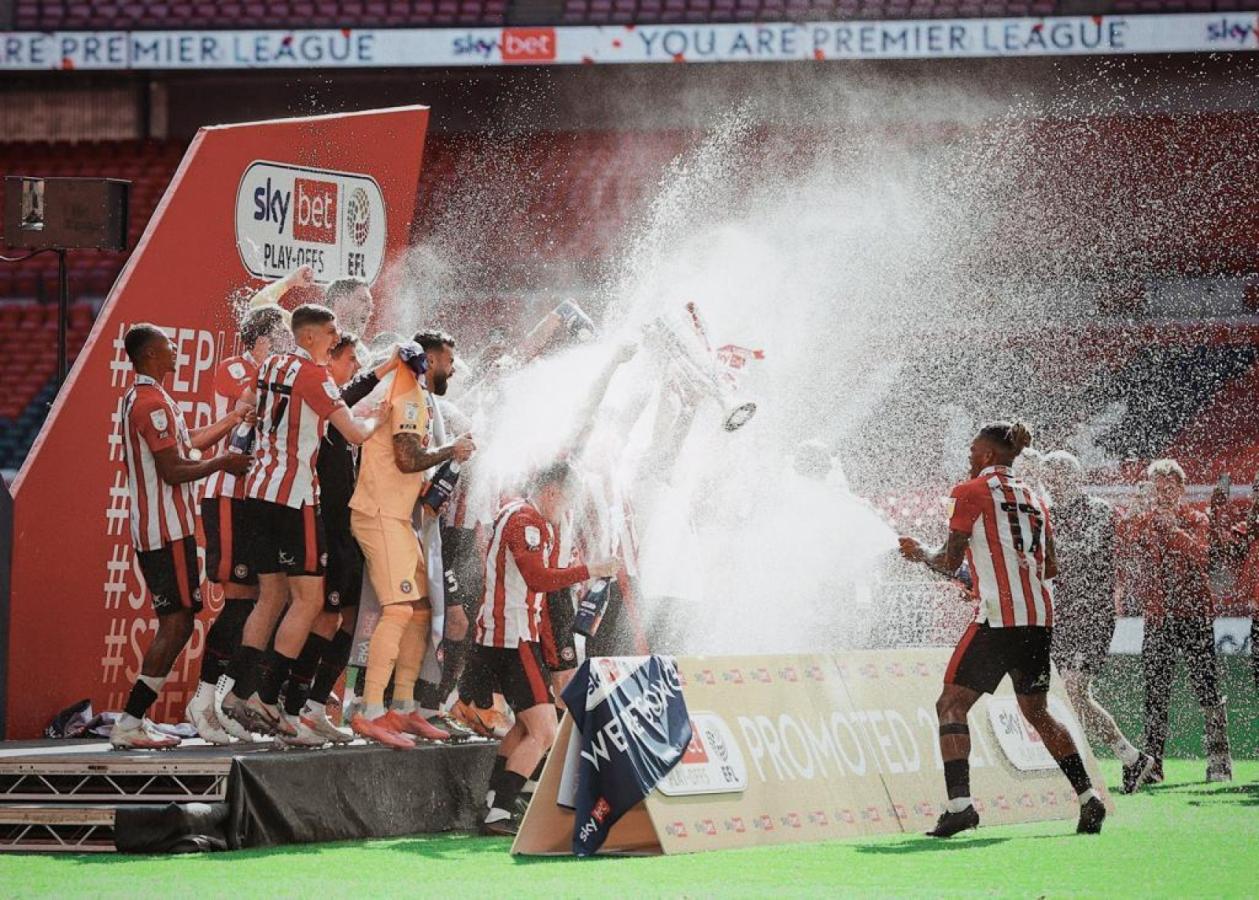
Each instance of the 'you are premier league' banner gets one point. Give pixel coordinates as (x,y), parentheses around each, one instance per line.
(630,729)
(330,48)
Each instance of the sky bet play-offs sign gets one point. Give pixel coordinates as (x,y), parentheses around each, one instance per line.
(288,216)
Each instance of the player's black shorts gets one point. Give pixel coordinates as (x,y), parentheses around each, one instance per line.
(1082,640)
(226,533)
(558,647)
(985,655)
(343,580)
(464,569)
(171,575)
(518,673)
(283,540)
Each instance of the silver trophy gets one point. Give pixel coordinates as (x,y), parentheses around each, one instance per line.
(695,367)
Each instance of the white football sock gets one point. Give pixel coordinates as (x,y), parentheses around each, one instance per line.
(154,681)
(957,804)
(1088,795)
(126,720)
(204,694)
(374,710)
(1123,748)
(405,706)
(317,710)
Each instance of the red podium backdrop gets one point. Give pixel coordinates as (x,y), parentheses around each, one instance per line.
(253,199)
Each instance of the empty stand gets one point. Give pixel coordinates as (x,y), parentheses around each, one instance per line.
(148,165)
(612,12)
(28,364)
(155,14)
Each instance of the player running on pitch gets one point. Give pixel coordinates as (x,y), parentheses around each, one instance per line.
(1002,528)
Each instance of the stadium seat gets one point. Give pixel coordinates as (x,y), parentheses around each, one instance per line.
(55,14)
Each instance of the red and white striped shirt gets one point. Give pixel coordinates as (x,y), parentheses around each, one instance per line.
(519,571)
(160,513)
(1009,530)
(295,398)
(232,378)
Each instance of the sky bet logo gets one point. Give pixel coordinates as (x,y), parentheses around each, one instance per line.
(518,45)
(1238,32)
(289,216)
(312,203)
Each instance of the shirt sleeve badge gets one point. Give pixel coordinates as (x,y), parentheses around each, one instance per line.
(159,419)
(533,537)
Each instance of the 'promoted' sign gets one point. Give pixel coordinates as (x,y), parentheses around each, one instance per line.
(788,749)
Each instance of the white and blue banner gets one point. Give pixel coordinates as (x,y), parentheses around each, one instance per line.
(631,725)
(335,48)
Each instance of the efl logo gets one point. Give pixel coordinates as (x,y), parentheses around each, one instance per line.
(315,218)
(525,45)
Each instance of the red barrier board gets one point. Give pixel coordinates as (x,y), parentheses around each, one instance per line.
(250,200)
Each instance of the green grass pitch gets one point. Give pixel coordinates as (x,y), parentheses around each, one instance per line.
(1180,839)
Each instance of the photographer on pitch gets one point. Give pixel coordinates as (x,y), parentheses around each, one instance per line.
(1170,566)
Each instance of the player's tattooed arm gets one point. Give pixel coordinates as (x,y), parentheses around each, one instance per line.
(1051,556)
(409,454)
(947,560)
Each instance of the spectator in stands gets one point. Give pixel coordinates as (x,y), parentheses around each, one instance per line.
(1084,603)
(351,301)
(1170,561)
(162,463)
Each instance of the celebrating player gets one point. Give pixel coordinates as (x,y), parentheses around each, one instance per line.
(296,401)
(1002,528)
(223,519)
(1172,560)
(1084,601)
(508,654)
(390,479)
(327,650)
(162,463)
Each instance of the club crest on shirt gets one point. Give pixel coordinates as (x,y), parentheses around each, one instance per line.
(334,598)
(236,370)
(950,507)
(241,570)
(159,420)
(533,537)
(333,392)
(405,587)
